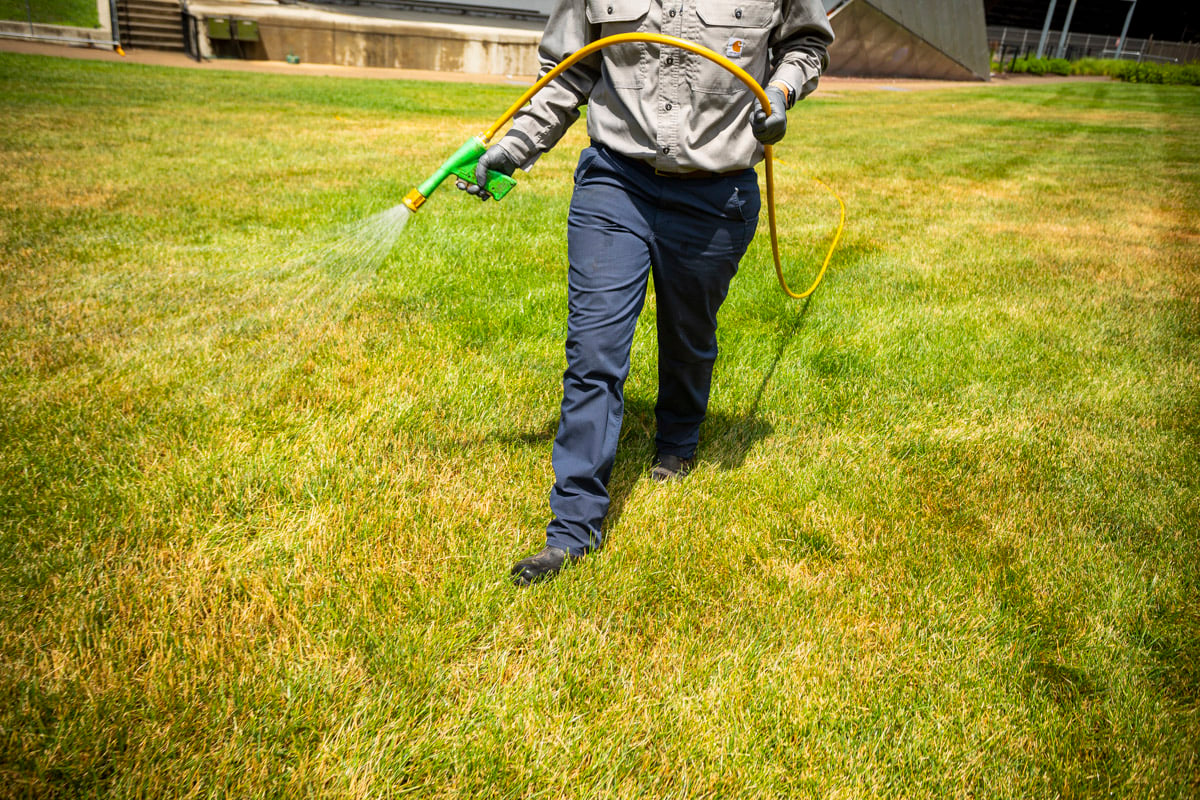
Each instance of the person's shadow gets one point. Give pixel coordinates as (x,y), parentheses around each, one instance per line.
(725,439)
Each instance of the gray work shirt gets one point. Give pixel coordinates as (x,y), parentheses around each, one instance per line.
(672,109)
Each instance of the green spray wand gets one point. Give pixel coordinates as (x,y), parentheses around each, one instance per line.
(462,163)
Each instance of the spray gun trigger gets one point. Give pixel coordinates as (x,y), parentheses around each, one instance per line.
(498,184)
(472,189)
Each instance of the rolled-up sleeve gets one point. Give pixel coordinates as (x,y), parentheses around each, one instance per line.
(801,45)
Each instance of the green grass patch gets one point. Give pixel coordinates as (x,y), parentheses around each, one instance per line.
(77,13)
(256,510)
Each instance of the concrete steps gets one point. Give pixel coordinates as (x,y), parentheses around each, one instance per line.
(153,24)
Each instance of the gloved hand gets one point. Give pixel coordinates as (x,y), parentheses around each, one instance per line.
(495,158)
(770,130)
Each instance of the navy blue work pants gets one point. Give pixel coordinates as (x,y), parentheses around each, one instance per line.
(627,224)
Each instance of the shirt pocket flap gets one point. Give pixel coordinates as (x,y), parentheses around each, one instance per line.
(601,11)
(733,13)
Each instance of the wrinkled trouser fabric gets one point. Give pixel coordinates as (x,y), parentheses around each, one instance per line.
(627,224)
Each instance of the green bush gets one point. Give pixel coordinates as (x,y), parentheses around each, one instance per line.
(1041,66)
(1096,66)
(1130,71)
(1172,74)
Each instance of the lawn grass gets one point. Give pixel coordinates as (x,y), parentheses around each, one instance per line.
(941,539)
(77,13)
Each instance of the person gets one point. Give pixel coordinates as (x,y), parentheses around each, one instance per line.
(666,190)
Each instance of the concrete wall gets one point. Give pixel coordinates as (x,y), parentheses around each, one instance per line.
(944,39)
(884,38)
(957,28)
(325,37)
(101,36)
(62,34)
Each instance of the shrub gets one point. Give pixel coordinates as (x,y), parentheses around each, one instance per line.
(1130,71)
(1096,66)
(1020,65)
(1139,73)
(1173,74)
(1041,66)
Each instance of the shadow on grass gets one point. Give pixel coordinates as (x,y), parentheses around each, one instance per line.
(725,439)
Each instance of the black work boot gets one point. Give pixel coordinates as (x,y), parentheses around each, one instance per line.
(670,468)
(541,566)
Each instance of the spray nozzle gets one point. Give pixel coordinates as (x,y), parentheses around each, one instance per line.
(461,164)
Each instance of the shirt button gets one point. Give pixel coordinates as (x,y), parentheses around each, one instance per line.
(610,9)
(672,12)
(737,13)
(670,61)
(666,149)
(668,106)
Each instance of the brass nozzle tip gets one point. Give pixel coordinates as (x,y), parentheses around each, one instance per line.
(414,200)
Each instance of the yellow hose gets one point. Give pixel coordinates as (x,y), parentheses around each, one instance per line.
(742,75)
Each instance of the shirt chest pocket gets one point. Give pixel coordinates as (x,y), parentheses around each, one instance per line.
(738,30)
(626,64)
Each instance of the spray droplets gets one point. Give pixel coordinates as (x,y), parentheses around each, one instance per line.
(305,300)
(245,318)
(357,250)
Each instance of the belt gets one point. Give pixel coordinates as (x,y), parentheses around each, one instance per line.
(683,176)
(692,174)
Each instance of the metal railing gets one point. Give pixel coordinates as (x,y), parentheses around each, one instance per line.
(1007,43)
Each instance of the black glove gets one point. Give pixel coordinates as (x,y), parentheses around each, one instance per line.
(770,130)
(495,159)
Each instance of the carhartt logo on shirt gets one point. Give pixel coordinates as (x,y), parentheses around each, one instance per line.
(733,48)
